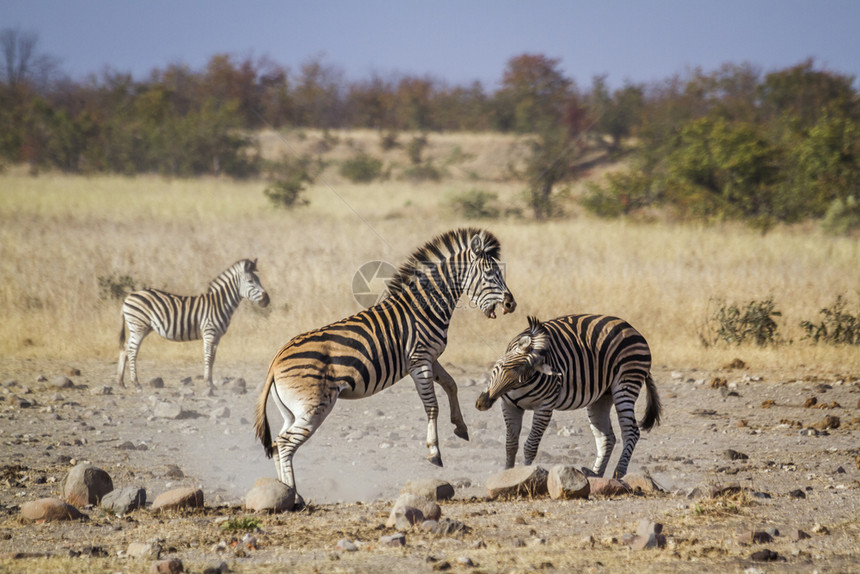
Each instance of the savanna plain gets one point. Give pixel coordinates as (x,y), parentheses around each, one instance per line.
(64,241)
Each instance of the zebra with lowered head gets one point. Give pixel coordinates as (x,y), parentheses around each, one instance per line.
(591,361)
(403,334)
(188,318)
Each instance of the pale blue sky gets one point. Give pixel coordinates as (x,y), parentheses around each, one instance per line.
(455,41)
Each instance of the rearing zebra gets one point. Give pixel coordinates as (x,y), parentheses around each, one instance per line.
(373,349)
(571,362)
(188,318)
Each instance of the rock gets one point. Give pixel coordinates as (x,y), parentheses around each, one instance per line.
(735,455)
(48,510)
(220,413)
(647,527)
(648,541)
(796,534)
(396,539)
(755,537)
(606,486)
(810,402)
(172,566)
(346,545)
(101,390)
(73,372)
(185,497)
(447,527)
(764,556)
(465,561)
(564,482)
(165,410)
(430,488)
(797,493)
(820,529)
(270,495)
(518,481)
(642,483)
(156,383)
(147,550)
(220,569)
(828,422)
(237,386)
(429,510)
(86,484)
(62,382)
(124,500)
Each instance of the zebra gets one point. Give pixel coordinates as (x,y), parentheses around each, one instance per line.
(405,332)
(187,318)
(570,362)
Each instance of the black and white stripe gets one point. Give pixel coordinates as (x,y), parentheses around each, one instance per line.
(187,318)
(370,351)
(591,361)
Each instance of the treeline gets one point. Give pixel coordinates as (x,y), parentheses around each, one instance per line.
(731,143)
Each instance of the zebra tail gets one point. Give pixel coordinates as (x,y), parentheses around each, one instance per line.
(654,408)
(261,424)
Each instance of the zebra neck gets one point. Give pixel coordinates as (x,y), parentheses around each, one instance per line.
(227,295)
(434,300)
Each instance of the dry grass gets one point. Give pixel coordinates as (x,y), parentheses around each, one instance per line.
(59,234)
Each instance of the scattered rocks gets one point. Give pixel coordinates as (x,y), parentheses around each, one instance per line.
(410,509)
(172,566)
(73,372)
(768,403)
(124,500)
(156,383)
(346,545)
(49,510)
(642,483)
(271,495)
(732,454)
(796,534)
(736,364)
(797,493)
(430,488)
(397,539)
(828,422)
(518,481)
(167,410)
(62,382)
(86,484)
(566,482)
(184,497)
(146,550)
(607,486)
(810,402)
(220,413)
(237,386)
(445,527)
(765,555)
(754,537)
(820,529)
(648,535)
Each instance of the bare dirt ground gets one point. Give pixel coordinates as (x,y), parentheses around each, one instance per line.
(352,470)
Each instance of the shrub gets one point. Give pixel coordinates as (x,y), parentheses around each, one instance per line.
(288,178)
(422,172)
(475,204)
(361,169)
(837,327)
(752,322)
(388,141)
(415,148)
(115,287)
(624,192)
(241,524)
(842,217)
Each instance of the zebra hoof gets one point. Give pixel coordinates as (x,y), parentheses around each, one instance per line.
(463,433)
(299,504)
(437,460)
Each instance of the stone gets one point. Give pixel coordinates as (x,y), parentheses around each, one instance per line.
(147,550)
(172,566)
(156,383)
(270,496)
(124,500)
(828,422)
(446,527)
(346,545)
(764,556)
(518,481)
(165,410)
(732,454)
(647,527)
(797,493)
(48,510)
(810,402)
(754,537)
(184,497)
(607,486)
(434,489)
(237,386)
(220,413)
(62,382)
(648,541)
(73,372)
(796,534)
(396,539)
(86,484)
(429,510)
(565,482)
(642,483)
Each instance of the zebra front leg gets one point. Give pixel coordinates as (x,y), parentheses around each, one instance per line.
(601,427)
(423,378)
(210,346)
(513,416)
(446,381)
(540,420)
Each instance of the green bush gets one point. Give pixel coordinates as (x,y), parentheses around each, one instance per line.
(842,217)
(837,327)
(115,287)
(415,148)
(422,172)
(288,178)
(475,204)
(241,524)
(388,141)
(751,322)
(623,193)
(362,168)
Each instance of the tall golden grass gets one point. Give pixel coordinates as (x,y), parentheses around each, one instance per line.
(60,234)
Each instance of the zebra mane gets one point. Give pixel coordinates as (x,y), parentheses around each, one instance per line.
(243,265)
(439,249)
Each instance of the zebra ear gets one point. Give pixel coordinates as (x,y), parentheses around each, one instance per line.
(525,344)
(477,244)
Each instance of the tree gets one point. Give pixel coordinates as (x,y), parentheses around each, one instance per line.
(535,92)
(22,62)
(617,114)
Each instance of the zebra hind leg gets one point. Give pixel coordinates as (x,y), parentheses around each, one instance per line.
(601,427)
(132,346)
(513,416)
(123,358)
(625,401)
(446,381)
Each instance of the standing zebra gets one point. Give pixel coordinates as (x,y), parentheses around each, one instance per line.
(373,349)
(188,318)
(571,362)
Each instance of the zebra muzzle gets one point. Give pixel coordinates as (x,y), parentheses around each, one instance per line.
(484,401)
